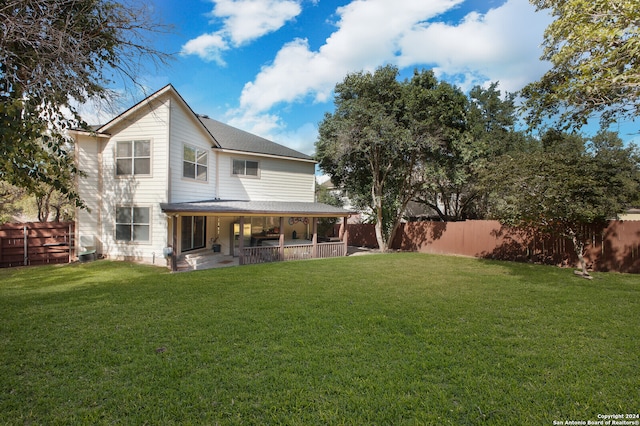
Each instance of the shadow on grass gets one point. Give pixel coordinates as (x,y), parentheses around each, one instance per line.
(72,277)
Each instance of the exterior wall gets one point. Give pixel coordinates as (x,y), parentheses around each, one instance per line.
(143,191)
(184,130)
(278,180)
(635,215)
(168,125)
(88,221)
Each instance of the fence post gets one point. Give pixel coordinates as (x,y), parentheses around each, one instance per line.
(69,240)
(26,244)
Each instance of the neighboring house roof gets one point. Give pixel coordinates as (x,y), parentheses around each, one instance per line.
(234,139)
(234,207)
(325,182)
(630,214)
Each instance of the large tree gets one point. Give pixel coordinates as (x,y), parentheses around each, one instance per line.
(450,176)
(594,50)
(564,184)
(55,55)
(381,134)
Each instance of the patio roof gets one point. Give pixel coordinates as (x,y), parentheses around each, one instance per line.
(256,208)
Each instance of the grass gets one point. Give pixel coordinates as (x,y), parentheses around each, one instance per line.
(379,339)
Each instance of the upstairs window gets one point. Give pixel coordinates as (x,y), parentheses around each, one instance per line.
(245,168)
(132,223)
(195,161)
(133,158)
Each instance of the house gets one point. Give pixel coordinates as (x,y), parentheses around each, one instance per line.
(161,181)
(630,214)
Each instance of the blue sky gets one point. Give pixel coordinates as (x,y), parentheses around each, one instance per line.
(269,66)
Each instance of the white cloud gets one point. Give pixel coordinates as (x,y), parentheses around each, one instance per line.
(270,126)
(367,36)
(264,125)
(501,45)
(243,22)
(247,20)
(207,46)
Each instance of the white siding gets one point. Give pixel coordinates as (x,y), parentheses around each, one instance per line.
(141,191)
(169,126)
(279,180)
(88,220)
(184,130)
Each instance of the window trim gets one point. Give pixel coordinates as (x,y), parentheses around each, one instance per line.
(196,148)
(256,176)
(149,224)
(133,158)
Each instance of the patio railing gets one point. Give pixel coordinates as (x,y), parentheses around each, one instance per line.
(255,255)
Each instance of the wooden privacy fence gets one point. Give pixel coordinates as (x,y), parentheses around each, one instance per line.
(614,247)
(36,243)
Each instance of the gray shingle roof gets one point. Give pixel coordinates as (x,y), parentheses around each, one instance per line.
(235,139)
(293,208)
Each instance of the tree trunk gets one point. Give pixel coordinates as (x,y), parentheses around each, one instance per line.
(578,246)
(382,243)
(376,195)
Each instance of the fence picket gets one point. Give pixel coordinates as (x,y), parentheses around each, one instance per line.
(36,243)
(612,248)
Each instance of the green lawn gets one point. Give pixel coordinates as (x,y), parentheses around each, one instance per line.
(379,339)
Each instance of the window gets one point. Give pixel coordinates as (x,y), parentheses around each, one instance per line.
(133,158)
(132,223)
(245,168)
(195,163)
(193,232)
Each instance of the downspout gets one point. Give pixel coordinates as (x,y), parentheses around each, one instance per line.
(217,186)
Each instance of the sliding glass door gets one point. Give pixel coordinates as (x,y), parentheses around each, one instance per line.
(193,232)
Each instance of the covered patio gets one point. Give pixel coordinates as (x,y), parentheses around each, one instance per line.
(256,231)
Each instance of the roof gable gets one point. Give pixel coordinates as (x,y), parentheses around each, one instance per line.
(166,91)
(222,135)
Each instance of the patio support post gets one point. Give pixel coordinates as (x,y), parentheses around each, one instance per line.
(345,234)
(241,242)
(174,244)
(281,239)
(314,240)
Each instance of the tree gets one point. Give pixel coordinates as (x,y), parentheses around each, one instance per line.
(565,183)
(451,174)
(52,205)
(54,55)
(381,133)
(10,202)
(326,196)
(594,50)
